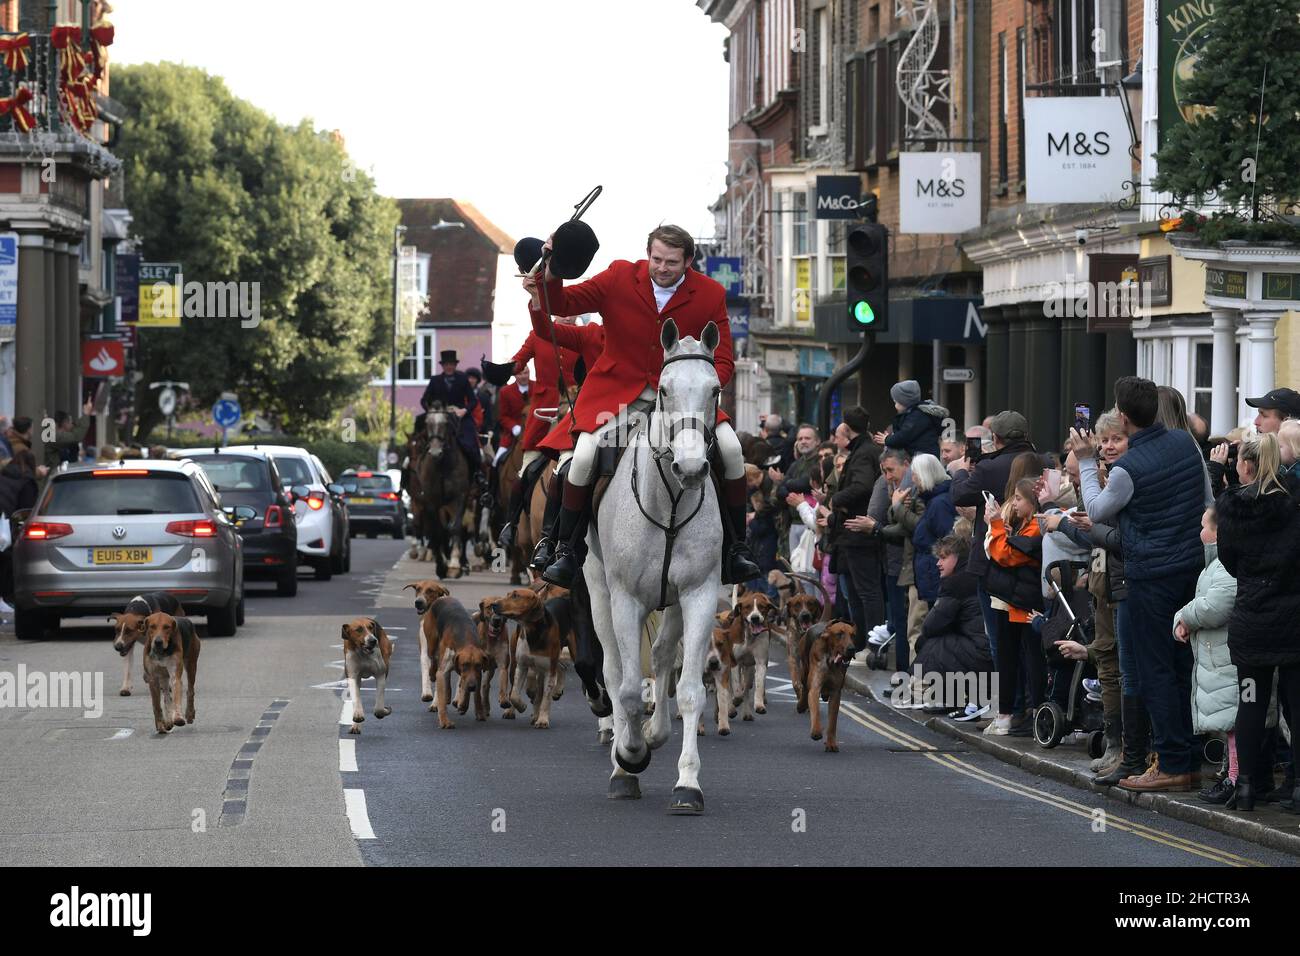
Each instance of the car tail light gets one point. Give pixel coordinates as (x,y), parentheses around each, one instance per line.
(202,528)
(364,474)
(118,472)
(316,501)
(46,530)
(274,517)
(390,496)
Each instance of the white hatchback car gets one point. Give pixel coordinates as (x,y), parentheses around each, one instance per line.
(322,517)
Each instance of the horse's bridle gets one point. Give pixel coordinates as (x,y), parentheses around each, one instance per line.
(658,454)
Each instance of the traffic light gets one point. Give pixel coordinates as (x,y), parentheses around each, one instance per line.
(868,277)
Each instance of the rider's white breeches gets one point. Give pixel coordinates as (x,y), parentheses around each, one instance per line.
(588,445)
(529,458)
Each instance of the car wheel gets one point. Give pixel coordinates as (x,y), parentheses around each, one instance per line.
(324,568)
(347,557)
(286,585)
(29,625)
(223,621)
(372,535)
(239,612)
(336,561)
(398,533)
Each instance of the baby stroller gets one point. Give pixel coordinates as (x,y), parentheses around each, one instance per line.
(1068,707)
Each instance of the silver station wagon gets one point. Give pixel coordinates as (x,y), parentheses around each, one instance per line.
(99,535)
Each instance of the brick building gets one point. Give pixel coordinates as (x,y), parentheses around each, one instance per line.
(458,255)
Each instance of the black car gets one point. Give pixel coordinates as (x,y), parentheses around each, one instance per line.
(271,535)
(374,505)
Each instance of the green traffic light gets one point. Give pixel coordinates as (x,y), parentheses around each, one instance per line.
(863,313)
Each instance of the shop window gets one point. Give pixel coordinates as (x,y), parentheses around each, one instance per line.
(1202,379)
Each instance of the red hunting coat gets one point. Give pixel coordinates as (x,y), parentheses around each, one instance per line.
(510,411)
(632,358)
(589,342)
(545,390)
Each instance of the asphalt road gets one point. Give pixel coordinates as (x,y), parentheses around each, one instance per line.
(260,778)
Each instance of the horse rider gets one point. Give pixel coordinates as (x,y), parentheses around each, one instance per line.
(483,392)
(546,394)
(588,341)
(634,298)
(453,390)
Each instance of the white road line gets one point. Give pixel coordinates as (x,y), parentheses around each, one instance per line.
(122,734)
(355,801)
(345,716)
(347,756)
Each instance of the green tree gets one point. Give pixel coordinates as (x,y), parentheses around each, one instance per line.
(1227,150)
(217,185)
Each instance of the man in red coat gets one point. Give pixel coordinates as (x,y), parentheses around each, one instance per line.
(545,395)
(511,402)
(634,298)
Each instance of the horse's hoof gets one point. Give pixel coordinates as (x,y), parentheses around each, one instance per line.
(624,788)
(601,708)
(605,737)
(627,765)
(426,697)
(686,800)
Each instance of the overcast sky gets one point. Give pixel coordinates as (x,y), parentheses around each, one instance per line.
(518,107)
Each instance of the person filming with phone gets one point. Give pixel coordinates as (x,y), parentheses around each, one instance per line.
(1157,492)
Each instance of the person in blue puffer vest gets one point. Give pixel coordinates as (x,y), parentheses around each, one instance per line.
(1157,491)
(930,482)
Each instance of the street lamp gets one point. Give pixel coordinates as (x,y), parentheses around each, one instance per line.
(397,311)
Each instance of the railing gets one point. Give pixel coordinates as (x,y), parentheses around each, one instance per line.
(31,92)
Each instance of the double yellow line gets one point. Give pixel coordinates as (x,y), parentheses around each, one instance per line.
(1111,820)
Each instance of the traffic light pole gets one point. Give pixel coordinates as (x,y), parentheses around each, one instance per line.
(831,384)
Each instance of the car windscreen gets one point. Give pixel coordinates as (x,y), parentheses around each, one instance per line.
(377,483)
(294,471)
(87,494)
(235,473)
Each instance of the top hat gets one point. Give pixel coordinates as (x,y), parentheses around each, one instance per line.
(572,249)
(527,251)
(497,373)
(448,356)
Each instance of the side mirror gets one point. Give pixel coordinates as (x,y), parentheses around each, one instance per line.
(244,512)
(335,489)
(300,491)
(350,488)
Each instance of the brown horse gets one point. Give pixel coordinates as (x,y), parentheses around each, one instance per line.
(437,478)
(507,484)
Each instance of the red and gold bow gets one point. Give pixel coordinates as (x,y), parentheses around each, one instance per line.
(15,104)
(14,50)
(72,60)
(101,36)
(79,103)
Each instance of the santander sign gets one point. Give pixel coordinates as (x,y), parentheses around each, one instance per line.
(102,358)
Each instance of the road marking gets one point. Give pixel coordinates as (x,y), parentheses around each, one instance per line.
(122,734)
(234,800)
(347,756)
(952,762)
(345,715)
(355,801)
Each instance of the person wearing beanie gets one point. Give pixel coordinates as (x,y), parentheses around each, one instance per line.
(917,426)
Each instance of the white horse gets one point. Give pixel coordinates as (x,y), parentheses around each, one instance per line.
(662,482)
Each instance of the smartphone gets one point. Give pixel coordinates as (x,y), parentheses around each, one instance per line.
(1052,479)
(1082,417)
(974,450)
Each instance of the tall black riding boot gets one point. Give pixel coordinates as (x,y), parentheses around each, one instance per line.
(738,565)
(544,553)
(575,504)
(1137,742)
(521,494)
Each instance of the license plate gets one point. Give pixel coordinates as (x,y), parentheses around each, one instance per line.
(121,556)
(361,501)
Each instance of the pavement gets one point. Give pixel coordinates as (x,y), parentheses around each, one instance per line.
(1068,764)
(268,775)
